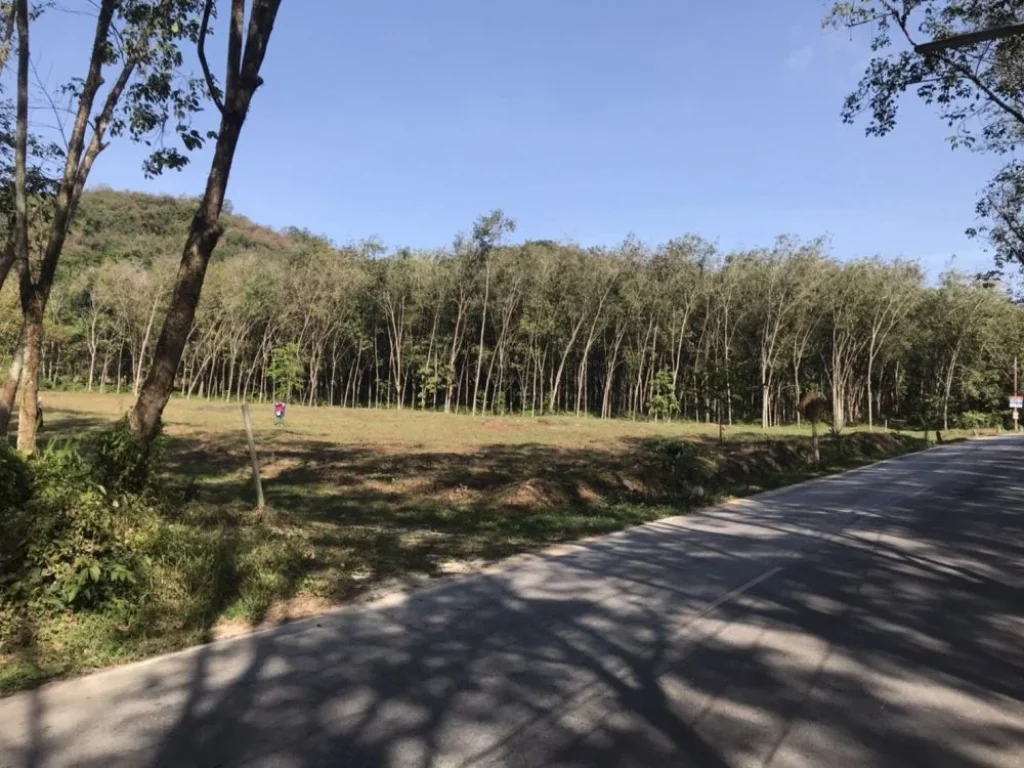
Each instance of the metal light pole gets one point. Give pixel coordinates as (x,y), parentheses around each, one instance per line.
(969,38)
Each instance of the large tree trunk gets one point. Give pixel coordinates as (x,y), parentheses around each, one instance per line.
(30,376)
(32,322)
(240,84)
(202,239)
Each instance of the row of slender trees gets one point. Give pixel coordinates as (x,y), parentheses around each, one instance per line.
(676,331)
(484,327)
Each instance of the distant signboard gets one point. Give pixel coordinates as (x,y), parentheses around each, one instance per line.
(1017,401)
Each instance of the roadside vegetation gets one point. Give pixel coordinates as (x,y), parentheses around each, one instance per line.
(111,554)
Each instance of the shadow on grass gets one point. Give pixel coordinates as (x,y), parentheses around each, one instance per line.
(60,424)
(370,515)
(344,519)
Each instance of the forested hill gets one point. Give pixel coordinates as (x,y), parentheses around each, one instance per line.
(112,225)
(679,329)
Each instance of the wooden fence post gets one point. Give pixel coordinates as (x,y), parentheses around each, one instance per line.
(252,456)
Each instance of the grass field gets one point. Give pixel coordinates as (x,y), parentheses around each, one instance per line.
(382,493)
(378,499)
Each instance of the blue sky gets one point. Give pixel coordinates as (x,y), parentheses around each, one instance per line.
(582,119)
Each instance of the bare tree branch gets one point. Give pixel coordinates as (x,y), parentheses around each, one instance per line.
(96,144)
(53,106)
(211,84)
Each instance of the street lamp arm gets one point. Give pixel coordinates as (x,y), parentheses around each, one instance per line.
(969,38)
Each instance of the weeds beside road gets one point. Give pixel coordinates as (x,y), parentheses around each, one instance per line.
(356,499)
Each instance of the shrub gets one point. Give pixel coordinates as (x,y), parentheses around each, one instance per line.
(121,463)
(684,460)
(978,420)
(76,542)
(74,522)
(664,401)
(15,490)
(97,564)
(15,485)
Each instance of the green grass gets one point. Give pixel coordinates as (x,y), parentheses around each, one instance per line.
(360,499)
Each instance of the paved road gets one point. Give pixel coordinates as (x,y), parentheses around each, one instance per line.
(873,619)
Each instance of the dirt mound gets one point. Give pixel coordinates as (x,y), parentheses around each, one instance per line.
(536,493)
(281,612)
(875,443)
(588,494)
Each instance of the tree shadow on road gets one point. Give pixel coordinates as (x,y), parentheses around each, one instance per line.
(866,625)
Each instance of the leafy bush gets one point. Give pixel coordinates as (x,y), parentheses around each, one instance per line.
(15,485)
(100,565)
(15,490)
(664,401)
(684,460)
(74,541)
(120,461)
(978,420)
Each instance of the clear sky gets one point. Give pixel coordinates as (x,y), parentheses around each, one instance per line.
(582,119)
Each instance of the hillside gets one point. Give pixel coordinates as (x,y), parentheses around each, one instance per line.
(115,225)
(128,225)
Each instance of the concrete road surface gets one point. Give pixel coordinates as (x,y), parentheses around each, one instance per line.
(872,619)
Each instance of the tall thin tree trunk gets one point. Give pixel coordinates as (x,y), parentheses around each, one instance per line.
(32,303)
(10,388)
(145,343)
(105,368)
(483,326)
(241,82)
(92,367)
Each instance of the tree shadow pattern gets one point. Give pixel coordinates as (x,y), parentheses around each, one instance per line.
(377,514)
(873,619)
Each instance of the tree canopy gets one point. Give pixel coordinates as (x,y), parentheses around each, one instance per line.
(677,330)
(977,90)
